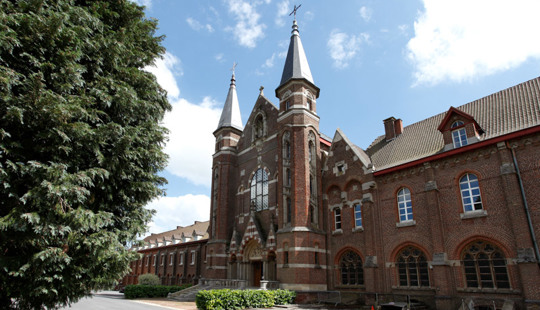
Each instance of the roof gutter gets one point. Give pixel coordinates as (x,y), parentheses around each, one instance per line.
(469,147)
(526,206)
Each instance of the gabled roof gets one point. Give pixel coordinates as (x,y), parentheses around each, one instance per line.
(358,152)
(296,64)
(462,114)
(230,116)
(501,113)
(198,228)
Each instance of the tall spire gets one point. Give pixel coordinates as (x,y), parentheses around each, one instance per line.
(296,64)
(230,116)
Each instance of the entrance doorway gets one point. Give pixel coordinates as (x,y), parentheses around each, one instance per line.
(257,273)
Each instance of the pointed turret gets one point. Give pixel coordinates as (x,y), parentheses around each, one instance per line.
(230,117)
(296,64)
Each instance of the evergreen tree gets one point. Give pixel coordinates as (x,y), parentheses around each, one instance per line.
(80,145)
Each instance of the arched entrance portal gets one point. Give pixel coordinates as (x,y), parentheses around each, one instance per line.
(254,257)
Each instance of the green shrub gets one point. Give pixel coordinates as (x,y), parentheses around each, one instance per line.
(149,291)
(240,299)
(149,279)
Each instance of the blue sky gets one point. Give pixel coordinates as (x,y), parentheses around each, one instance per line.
(371,60)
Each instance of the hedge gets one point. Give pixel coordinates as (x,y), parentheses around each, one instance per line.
(143,291)
(226,299)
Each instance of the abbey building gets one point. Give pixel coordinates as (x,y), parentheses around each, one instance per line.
(446,210)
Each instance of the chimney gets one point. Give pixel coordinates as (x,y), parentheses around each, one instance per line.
(392,128)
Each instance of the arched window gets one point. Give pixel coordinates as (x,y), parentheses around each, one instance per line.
(459,136)
(351,269)
(289,211)
(470,192)
(404,205)
(357,215)
(258,127)
(484,266)
(412,267)
(259,190)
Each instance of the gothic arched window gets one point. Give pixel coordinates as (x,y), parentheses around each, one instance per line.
(259,190)
(484,266)
(351,269)
(412,267)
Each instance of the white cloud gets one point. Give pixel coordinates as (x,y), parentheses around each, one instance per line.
(196,25)
(146,3)
(191,142)
(178,211)
(343,47)
(283,9)
(247,29)
(461,40)
(366,13)
(165,69)
(219,57)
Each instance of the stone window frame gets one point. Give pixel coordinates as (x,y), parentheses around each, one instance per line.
(412,267)
(193,257)
(338,214)
(357,215)
(404,202)
(181,259)
(484,262)
(471,188)
(350,264)
(254,185)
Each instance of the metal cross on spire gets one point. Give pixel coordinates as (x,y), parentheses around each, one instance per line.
(294,11)
(234,66)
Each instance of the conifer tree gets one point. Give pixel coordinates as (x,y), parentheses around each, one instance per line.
(80,145)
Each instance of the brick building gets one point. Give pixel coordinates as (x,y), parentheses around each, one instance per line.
(176,256)
(446,210)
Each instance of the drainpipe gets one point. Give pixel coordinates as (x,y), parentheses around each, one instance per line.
(526,206)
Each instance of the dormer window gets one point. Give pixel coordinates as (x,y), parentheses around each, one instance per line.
(459,135)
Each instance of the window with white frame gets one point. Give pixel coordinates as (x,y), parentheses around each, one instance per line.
(171,260)
(147,260)
(162,259)
(337,218)
(357,215)
(405,205)
(470,192)
(181,262)
(155,260)
(459,136)
(193,256)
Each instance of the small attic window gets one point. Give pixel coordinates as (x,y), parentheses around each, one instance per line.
(459,136)
(340,169)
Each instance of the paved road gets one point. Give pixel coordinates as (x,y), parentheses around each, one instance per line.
(110,300)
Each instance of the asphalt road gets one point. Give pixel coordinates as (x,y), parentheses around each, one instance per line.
(110,300)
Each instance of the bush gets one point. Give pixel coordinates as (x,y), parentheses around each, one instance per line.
(240,299)
(148,291)
(149,279)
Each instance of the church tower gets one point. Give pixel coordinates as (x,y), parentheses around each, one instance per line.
(300,237)
(223,174)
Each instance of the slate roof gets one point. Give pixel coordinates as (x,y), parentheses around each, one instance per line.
(296,64)
(230,116)
(200,229)
(510,110)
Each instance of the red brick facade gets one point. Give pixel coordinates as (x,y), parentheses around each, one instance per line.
(445,211)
